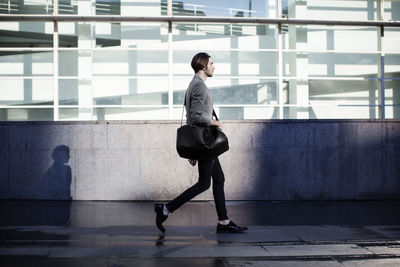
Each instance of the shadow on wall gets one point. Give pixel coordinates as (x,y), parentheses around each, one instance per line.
(345,160)
(56,182)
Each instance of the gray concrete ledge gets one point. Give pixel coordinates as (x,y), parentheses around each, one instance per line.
(137,160)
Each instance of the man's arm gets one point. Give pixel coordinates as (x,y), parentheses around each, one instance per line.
(198,113)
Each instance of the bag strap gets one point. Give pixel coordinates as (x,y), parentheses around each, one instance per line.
(215,115)
(184,104)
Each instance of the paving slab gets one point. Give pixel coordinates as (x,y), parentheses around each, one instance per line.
(390,232)
(213,251)
(316,250)
(372,263)
(34,262)
(25,251)
(281,263)
(255,234)
(126,251)
(385,250)
(166,262)
(333,233)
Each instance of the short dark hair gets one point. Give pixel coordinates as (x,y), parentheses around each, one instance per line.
(200,61)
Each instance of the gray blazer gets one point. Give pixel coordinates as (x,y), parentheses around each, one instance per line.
(198,102)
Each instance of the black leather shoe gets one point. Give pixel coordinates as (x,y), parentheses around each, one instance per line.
(231,227)
(160,217)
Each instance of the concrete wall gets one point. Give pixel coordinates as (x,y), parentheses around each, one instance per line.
(137,160)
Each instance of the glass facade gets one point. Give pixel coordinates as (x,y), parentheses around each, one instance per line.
(130,59)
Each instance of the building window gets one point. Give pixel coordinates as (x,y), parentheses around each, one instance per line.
(130,60)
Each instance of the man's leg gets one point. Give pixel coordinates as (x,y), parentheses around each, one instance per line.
(225,225)
(205,172)
(218,190)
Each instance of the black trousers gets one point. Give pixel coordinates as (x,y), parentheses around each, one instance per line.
(207,169)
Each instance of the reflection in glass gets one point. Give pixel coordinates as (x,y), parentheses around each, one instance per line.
(392,10)
(134,91)
(392,111)
(336,38)
(67,7)
(82,7)
(392,39)
(26,7)
(332,9)
(68,62)
(303,64)
(68,114)
(26,91)
(140,8)
(26,63)
(144,35)
(130,113)
(344,92)
(152,8)
(360,98)
(224,8)
(113,34)
(130,62)
(26,34)
(140,91)
(392,66)
(260,113)
(26,114)
(361,92)
(207,36)
(68,92)
(113,63)
(335,112)
(392,95)
(392,85)
(108,7)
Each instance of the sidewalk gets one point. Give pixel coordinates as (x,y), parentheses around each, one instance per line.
(295,233)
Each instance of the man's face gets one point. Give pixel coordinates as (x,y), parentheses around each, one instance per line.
(209,71)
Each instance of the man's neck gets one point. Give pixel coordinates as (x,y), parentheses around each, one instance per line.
(202,75)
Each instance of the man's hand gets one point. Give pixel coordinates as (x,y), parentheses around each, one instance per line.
(192,162)
(217,123)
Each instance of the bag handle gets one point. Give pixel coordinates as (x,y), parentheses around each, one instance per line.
(184,104)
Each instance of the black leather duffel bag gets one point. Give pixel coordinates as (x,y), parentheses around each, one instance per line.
(201,142)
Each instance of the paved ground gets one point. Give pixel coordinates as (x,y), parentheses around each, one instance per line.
(295,233)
